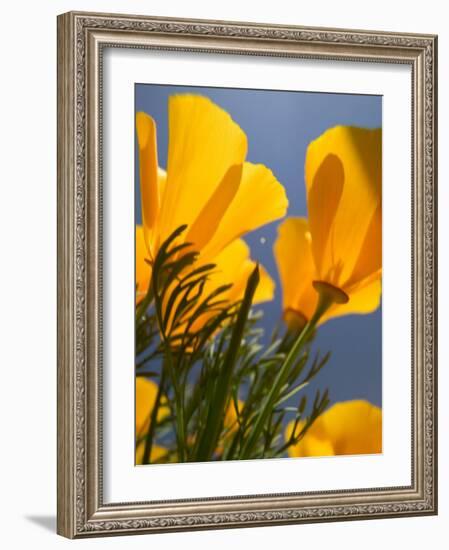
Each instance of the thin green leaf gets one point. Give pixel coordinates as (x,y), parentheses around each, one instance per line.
(210,434)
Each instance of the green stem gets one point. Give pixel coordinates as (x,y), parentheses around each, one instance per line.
(217,406)
(168,363)
(153,420)
(325,300)
(179,404)
(228,454)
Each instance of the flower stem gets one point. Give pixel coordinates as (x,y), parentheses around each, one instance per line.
(153,419)
(179,404)
(217,407)
(168,364)
(325,300)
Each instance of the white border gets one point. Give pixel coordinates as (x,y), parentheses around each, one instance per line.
(123,482)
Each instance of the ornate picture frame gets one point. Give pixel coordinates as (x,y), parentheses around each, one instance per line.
(82,40)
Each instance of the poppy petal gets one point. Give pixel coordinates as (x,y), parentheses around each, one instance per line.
(260,199)
(363,298)
(353,155)
(208,220)
(148,168)
(293,254)
(204,142)
(143,269)
(349,427)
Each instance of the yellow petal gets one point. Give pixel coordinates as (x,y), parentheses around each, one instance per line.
(146,392)
(349,427)
(204,142)
(356,427)
(260,199)
(208,220)
(161,180)
(312,446)
(322,200)
(143,269)
(292,251)
(233,266)
(363,298)
(370,256)
(343,182)
(148,167)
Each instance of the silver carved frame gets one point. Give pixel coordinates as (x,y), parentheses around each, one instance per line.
(81,39)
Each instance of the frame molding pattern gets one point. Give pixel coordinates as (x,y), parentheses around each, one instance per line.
(80,508)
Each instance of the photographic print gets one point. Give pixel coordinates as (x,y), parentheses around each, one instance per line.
(258,264)
(247,282)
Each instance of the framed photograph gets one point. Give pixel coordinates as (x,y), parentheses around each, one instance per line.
(247,274)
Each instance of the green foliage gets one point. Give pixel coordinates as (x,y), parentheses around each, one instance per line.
(208,358)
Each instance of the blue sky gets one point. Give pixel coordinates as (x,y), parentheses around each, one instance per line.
(279,126)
